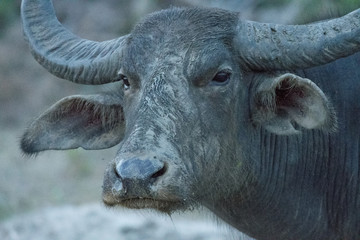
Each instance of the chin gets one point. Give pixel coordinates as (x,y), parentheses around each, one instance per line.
(163,206)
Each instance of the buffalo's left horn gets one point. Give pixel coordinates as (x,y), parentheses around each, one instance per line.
(279,47)
(64,54)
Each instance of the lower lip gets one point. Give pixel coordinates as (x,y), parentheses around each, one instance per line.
(148,203)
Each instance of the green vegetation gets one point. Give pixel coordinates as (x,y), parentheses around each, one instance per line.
(5,211)
(323,9)
(79,166)
(311,10)
(271,3)
(8,12)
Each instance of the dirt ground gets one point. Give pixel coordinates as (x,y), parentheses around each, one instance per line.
(93,222)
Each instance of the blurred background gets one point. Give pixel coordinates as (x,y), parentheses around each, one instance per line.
(70,181)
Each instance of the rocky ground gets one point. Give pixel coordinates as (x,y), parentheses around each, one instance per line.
(93,222)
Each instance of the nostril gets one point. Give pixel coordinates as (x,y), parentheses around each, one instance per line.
(160,172)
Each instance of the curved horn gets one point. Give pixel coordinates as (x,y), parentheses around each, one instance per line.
(279,47)
(64,54)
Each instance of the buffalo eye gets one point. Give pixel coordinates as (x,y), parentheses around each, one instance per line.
(221,78)
(125,81)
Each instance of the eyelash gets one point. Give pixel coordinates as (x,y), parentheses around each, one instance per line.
(221,78)
(125,81)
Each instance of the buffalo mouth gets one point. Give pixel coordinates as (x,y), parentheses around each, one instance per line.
(166,206)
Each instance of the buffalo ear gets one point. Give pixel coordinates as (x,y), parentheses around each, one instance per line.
(280,101)
(90,122)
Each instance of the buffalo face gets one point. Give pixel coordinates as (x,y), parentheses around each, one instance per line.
(180,120)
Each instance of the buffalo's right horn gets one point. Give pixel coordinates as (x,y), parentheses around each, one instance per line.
(263,46)
(64,54)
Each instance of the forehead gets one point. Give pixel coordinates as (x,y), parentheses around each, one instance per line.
(179,33)
(188,21)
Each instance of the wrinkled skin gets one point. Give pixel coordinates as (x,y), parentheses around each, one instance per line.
(195,126)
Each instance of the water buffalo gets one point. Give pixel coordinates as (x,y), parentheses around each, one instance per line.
(257,122)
